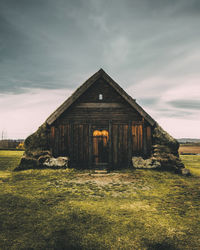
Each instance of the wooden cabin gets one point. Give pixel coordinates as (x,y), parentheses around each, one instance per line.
(100,125)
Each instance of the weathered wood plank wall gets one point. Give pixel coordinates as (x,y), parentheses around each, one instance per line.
(129,134)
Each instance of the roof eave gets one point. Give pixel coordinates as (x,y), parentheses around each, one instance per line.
(80,90)
(66,104)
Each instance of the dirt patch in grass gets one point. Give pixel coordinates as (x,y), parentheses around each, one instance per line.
(104,179)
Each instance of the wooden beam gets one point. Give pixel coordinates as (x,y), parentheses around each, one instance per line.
(90,145)
(144,140)
(71,143)
(99,105)
(110,143)
(129,142)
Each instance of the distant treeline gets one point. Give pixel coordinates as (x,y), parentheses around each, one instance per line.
(10,144)
(188,140)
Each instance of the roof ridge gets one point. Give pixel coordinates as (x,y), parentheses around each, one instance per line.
(82,88)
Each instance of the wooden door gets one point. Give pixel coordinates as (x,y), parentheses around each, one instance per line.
(100,139)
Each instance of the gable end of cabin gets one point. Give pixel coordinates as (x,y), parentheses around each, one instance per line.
(100,128)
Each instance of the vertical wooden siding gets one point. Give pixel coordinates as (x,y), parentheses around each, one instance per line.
(120,156)
(74,140)
(80,155)
(60,140)
(137,138)
(149,139)
(71,140)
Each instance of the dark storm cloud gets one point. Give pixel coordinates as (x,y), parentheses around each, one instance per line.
(148,101)
(186,104)
(58,44)
(183,108)
(160,36)
(164,113)
(12,41)
(192,6)
(45,45)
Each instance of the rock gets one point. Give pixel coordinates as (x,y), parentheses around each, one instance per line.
(179,164)
(39,153)
(161,148)
(27,163)
(44,161)
(59,162)
(43,158)
(156,164)
(185,171)
(139,162)
(165,150)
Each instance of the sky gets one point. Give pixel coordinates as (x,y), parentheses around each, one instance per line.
(150,47)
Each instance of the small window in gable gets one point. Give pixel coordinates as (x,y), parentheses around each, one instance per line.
(100,97)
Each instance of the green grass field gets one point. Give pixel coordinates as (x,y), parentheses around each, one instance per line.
(68,209)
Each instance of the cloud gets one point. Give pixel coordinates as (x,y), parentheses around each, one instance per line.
(22,114)
(179,127)
(186,104)
(49,44)
(44,46)
(166,98)
(151,48)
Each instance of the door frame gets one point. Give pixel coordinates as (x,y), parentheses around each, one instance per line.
(99,127)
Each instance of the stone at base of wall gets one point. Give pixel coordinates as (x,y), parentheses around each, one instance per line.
(61,162)
(42,162)
(139,162)
(185,171)
(27,163)
(152,163)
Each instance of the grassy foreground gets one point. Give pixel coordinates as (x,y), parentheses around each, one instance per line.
(68,209)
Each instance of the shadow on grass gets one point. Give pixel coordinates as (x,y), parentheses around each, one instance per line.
(162,246)
(33,224)
(30,224)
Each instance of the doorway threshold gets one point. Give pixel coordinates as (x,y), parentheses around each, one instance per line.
(100,166)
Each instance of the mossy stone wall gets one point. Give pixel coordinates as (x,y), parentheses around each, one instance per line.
(38,141)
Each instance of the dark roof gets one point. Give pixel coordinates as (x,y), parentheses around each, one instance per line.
(99,74)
